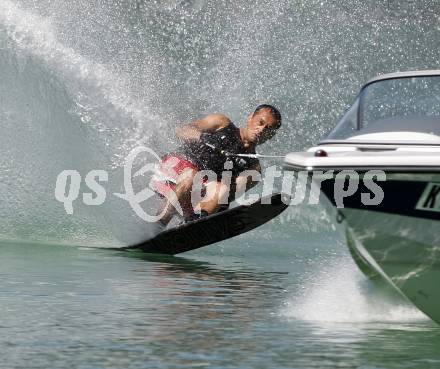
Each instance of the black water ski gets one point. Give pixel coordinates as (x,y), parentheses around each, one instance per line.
(213,228)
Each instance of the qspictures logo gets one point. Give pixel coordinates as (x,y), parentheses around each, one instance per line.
(301,187)
(68,183)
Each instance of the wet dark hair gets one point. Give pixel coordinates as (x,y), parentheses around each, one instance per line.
(274,111)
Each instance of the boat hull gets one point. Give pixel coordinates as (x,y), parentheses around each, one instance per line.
(398,241)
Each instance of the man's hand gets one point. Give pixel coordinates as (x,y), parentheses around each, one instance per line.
(211,123)
(240,164)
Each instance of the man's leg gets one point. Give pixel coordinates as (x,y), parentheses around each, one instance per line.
(216,195)
(219,194)
(182,191)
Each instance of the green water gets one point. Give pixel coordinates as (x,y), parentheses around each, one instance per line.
(83,82)
(86,308)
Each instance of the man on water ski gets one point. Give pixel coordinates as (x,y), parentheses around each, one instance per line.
(212,143)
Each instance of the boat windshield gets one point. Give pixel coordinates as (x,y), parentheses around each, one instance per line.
(408,108)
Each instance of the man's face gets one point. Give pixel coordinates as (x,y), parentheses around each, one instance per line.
(261,126)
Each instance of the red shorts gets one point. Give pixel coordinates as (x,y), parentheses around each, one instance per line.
(170,167)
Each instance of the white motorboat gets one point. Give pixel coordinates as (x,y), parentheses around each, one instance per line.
(390,138)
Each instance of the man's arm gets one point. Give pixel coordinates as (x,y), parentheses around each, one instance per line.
(210,123)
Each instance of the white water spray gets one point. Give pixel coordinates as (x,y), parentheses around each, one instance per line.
(342,294)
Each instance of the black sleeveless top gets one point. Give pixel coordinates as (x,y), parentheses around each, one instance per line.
(227,139)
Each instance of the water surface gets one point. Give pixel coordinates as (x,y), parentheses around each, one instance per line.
(77,307)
